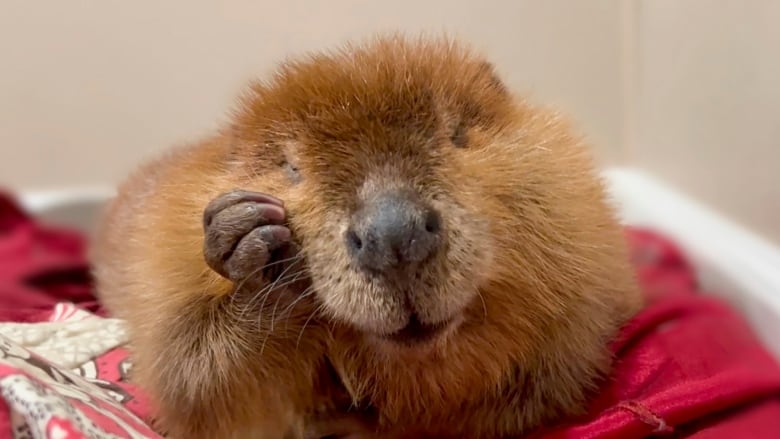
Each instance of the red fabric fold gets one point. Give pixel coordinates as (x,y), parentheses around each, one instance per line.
(687,366)
(40,265)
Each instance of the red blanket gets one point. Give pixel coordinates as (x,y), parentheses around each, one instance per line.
(688,365)
(39,266)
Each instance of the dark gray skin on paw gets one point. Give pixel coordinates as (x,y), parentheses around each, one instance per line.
(243,230)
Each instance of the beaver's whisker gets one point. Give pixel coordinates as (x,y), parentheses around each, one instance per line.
(268,289)
(306,293)
(254,297)
(298,275)
(300,334)
(273,285)
(254,272)
(484,305)
(268,335)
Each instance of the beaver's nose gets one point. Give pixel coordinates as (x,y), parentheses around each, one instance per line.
(392,230)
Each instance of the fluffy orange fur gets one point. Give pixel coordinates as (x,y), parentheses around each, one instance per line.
(535,269)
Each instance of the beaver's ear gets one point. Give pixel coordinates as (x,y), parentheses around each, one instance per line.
(488,71)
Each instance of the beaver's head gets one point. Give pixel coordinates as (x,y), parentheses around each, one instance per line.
(405,169)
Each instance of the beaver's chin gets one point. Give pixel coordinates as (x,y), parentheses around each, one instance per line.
(408,322)
(416,332)
(416,335)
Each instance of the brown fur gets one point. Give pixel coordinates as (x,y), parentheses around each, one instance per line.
(535,270)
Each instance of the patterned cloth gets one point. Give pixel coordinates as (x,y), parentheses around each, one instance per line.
(71,381)
(70,338)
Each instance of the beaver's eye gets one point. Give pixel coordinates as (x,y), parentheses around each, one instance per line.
(459,136)
(292,172)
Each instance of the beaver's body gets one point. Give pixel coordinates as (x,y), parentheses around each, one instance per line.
(386,226)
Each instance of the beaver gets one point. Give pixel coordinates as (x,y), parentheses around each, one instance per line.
(383,240)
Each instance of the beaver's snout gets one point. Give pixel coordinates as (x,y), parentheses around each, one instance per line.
(392,230)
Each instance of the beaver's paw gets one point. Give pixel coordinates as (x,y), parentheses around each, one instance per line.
(243,233)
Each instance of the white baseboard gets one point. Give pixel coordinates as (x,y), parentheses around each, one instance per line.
(732,262)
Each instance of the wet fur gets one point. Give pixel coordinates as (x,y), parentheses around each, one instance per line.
(535,265)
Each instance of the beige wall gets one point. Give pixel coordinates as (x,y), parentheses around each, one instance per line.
(707,103)
(87,90)
(689,90)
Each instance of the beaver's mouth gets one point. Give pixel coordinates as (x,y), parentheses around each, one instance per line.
(416,332)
